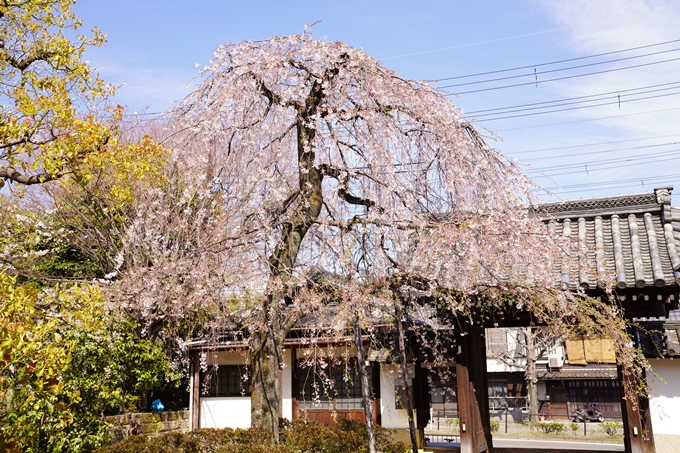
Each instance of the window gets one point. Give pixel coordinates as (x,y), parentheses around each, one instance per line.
(332,387)
(498,392)
(226,380)
(496,342)
(443,392)
(593,391)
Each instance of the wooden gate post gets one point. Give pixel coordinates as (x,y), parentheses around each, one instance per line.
(421,405)
(646,419)
(479,378)
(473,406)
(195,391)
(633,433)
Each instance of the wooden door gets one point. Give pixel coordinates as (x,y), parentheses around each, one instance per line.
(558,402)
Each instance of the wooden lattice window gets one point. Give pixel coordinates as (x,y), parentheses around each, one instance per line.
(226,380)
(331,387)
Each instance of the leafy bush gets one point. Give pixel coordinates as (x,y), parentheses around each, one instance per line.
(495,426)
(201,441)
(452,423)
(574,426)
(65,361)
(549,427)
(297,436)
(346,436)
(611,428)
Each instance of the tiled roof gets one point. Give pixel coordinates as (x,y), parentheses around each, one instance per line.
(633,238)
(590,371)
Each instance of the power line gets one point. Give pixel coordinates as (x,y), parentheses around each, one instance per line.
(619,183)
(476,43)
(556,62)
(588,120)
(559,102)
(593,164)
(590,153)
(558,70)
(585,145)
(536,82)
(619,102)
(548,175)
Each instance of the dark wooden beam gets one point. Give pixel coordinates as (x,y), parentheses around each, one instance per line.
(294,383)
(646,419)
(195,393)
(477,346)
(377,401)
(633,435)
(420,402)
(473,408)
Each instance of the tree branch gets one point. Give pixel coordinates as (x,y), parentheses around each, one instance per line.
(342,176)
(273,97)
(24,63)
(26,179)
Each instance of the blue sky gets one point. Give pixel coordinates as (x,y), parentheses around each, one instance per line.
(153,48)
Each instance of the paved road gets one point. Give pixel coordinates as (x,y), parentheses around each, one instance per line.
(587,446)
(547,444)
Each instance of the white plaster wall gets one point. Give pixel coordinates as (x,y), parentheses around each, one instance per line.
(227,412)
(665,400)
(391,417)
(287,390)
(497,366)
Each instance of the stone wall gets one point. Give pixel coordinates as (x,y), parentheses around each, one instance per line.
(151,424)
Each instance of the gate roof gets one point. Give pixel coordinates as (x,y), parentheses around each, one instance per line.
(634,239)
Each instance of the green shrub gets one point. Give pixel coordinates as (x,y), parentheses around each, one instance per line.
(574,426)
(200,441)
(611,428)
(452,423)
(495,426)
(549,427)
(61,373)
(297,436)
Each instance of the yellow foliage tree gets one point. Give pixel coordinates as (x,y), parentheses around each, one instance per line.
(55,117)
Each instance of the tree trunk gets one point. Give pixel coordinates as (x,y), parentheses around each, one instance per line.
(530,373)
(266,363)
(403,365)
(273,324)
(366,393)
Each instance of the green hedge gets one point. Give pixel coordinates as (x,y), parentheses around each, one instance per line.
(611,428)
(549,427)
(297,436)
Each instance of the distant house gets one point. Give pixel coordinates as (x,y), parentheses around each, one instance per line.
(571,374)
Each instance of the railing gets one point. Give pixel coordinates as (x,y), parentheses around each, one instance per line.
(441,438)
